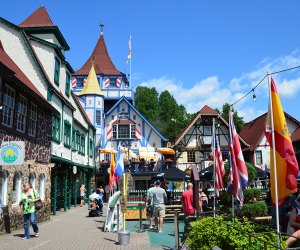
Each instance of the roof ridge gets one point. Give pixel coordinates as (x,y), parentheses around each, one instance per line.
(39,18)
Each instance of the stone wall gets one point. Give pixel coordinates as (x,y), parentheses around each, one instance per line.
(11,220)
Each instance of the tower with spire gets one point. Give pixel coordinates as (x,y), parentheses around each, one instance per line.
(114,83)
(92,100)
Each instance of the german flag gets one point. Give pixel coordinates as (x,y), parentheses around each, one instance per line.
(286,163)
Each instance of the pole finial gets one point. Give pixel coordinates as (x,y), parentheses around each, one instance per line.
(102,27)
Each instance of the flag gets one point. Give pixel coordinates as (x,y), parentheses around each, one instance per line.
(120,162)
(286,162)
(129,50)
(74,83)
(112,175)
(220,170)
(239,174)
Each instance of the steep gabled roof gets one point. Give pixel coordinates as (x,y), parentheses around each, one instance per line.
(133,108)
(102,62)
(39,18)
(39,22)
(205,111)
(91,86)
(14,72)
(253,131)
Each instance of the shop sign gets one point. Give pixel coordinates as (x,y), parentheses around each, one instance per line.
(12,153)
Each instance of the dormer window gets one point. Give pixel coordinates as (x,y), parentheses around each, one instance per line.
(123,129)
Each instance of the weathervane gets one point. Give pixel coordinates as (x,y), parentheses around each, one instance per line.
(102,26)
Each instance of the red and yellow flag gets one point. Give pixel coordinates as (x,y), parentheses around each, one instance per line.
(112,175)
(286,163)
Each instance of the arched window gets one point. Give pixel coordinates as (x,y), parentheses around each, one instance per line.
(3,188)
(32,180)
(16,192)
(42,187)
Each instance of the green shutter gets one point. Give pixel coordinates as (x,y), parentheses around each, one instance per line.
(56,71)
(68,84)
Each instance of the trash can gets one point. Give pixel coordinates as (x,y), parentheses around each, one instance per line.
(124,237)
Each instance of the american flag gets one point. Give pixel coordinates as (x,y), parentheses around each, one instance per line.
(238,174)
(220,170)
(119,82)
(74,83)
(106,82)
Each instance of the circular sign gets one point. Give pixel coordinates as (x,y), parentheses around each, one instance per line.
(9,154)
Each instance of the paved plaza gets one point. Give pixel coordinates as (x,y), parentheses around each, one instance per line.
(74,230)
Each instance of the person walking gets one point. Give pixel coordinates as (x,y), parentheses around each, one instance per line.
(27,204)
(82,194)
(159,196)
(150,206)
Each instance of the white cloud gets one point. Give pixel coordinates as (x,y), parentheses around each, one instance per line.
(211,91)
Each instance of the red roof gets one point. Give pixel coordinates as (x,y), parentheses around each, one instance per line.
(206,110)
(296,135)
(123,122)
(253,130)
(18,73)
(39,18)
(102,62)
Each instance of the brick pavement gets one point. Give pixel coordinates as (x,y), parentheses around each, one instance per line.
(73,230)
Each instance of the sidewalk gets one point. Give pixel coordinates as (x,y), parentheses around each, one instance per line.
(73,230)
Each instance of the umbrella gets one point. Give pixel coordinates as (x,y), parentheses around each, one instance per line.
(108,151)
(174,174)
(166,151)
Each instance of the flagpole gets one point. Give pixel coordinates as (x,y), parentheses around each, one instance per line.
(232,169)
(274,163)
(130,63)
(214,155)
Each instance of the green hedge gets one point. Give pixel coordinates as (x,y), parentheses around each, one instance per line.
(251,194)
(209,232)
(254,209)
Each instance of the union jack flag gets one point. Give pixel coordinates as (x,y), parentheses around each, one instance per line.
(238,174)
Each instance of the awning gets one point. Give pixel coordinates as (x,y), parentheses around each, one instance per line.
(166,151)
(146,153)
(123,122)
(132,154)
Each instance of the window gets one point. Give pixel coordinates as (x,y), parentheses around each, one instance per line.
(16,190)
(91,148)
(133,131)
(68,79)
(206,155)
(73,139)
(67,134)
(77,141)
(3,188)
(8,106)
(56,71)
(134,117)
(32,180)
(113,82)
(98,117)
(55,128)
(124,131)
(42,187)
(112,117)
(207,130)
(79,82)
(191,156)
(32,119)
(82,144)
(258,157)
(21,114)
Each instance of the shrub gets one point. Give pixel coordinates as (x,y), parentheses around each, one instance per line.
(251,193)
(254,209)
(220,231)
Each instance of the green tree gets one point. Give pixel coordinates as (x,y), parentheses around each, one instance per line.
(238,120)
(146,101)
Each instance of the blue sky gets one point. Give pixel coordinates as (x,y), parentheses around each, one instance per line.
(203,52)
